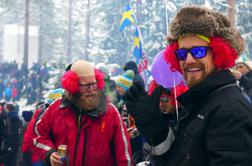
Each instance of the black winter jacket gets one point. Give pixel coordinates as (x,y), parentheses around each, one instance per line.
(217,130)
(10,126)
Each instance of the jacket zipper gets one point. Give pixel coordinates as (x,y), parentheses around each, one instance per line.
(79,125)
(77,138)
(84,148)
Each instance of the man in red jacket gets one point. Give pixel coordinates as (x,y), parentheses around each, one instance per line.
(31,157)
(84,121)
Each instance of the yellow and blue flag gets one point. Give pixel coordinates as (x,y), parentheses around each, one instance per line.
(137,46)
(128,18)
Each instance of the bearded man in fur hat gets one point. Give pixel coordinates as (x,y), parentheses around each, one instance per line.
(84,121)
(216,129)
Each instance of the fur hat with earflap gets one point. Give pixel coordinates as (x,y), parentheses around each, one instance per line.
(225,40)
(79,73)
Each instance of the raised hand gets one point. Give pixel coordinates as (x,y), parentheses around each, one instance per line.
(145,111)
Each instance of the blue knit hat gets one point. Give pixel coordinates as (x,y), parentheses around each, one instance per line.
(125,80)
(54,94)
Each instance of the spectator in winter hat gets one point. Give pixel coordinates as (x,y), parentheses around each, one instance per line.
(84,121)
(122,85)
(246,78)
(217,127)
(125,81)
(54,94)
(137,79)
(243,68)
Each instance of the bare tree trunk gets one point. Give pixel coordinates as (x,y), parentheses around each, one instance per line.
(138,11)
(231,11)
(69,50)
(86,52)
(26,33)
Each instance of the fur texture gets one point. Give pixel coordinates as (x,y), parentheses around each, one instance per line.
(152,86)
(203,21)
(70,82)
(99,76)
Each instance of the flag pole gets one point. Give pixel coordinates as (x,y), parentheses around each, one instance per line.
(175,97)
(166,17)
(142,42)
(137,26)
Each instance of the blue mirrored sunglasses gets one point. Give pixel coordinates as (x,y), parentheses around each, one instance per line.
(197,52)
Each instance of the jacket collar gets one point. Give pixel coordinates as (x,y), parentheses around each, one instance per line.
(195,95)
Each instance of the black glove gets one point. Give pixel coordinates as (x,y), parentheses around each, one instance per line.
(146,113)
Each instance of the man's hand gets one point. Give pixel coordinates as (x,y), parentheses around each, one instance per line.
(55,159)
(140,105)
(145,111)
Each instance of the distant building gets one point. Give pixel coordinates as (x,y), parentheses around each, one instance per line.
(13,44)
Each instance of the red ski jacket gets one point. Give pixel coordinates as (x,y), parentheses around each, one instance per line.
(93,138)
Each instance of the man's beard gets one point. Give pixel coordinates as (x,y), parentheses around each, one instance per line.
(88,102)
(192,81)
(98,101)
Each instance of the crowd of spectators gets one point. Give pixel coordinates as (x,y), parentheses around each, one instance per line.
(18,82)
